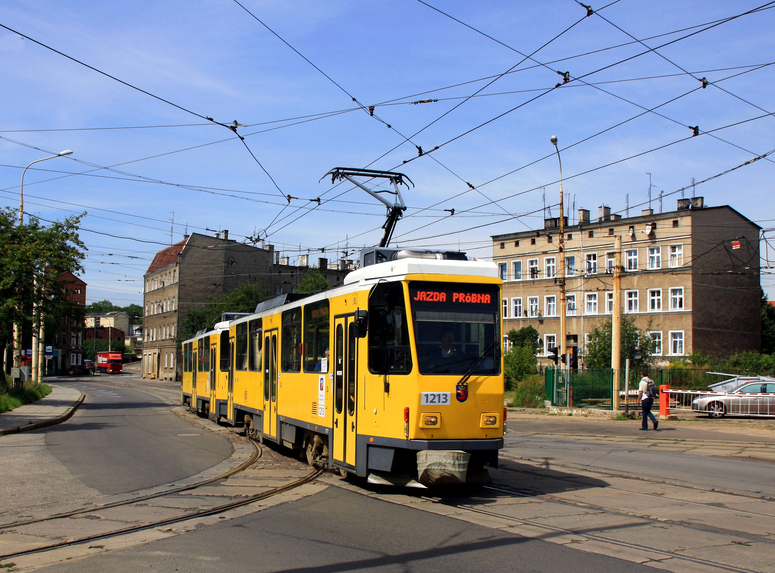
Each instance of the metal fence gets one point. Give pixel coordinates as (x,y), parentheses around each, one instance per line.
(718,404)
(687,392)
(594,388)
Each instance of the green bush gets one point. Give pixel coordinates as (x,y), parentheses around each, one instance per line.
(530,393)
(519,364)
(15,397)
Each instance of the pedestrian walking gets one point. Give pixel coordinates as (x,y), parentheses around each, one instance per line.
(647,391)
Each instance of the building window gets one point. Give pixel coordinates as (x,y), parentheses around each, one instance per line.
(516,243)
(676,255)
(609,302)
(532,306)
(505,307)
(532,241)
(655,300)
(655,258)
(532,268)
(550,341)
(591,304)
(591,234)
(592,263)
(550,305)
(675,222)
(631,301)
(631,259)
(516,267)
(570,266)
(677,343)
(677,298)
(503,245)
(550,267)
(610,261)
(503,271)
(570,305)
(656,338)
(516,307)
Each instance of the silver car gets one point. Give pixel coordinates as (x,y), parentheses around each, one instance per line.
(754,399)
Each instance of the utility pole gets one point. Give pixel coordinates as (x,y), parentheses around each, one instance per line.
(561,246)
(616,320)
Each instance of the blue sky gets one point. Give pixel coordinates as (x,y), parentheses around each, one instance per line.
(128,88)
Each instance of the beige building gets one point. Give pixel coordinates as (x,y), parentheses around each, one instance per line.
(119,320)
(690,278)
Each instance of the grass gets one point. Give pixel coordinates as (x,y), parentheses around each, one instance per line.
(11,398)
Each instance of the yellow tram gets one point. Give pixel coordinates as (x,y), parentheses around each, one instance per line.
(396,375)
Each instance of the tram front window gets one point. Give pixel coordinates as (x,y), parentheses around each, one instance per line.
(456,328)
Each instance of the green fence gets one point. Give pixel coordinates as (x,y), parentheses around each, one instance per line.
(595,388)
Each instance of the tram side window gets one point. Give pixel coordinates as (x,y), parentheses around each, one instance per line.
(224,351)
(255,345)
(204,354)
(241,347)
(389,350)
(317,330)
(187,357)
(290,355)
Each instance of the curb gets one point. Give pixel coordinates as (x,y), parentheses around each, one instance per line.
(45,423)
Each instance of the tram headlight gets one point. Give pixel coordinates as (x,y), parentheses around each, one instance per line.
(430,420)
(489,421)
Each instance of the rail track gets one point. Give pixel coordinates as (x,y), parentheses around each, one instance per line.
(239,500)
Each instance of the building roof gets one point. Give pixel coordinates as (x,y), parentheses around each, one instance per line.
(70,278)
(167,257)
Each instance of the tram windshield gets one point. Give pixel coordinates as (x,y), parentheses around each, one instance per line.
(456,327)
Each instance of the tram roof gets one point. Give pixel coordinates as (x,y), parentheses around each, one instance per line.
(403,267)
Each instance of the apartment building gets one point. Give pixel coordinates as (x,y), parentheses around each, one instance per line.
(690,278)
(186,274)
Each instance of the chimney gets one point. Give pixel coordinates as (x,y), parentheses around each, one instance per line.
(225,234)
(583,216)
(647,212)
(683,204)
(605,213)
(322,264)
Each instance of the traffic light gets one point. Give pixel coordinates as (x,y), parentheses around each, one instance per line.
(635,353)
(553,354)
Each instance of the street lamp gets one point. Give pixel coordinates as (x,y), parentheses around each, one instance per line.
(561,278)
(21,192)
(16,327)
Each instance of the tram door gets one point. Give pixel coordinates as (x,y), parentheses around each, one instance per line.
(230,388)
(270,383)
(345,377)
(213,379)
(195,367)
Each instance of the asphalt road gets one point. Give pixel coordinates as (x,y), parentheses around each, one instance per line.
(121,440)
(338,530)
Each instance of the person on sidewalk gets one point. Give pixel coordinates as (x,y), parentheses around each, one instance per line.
(647,391)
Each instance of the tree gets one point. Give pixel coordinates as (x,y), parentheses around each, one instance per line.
(101,307)
(244,298)
(525,336)
(598,354)
(32,256)
(313,283)
(520,361)
(134,311)
(768,326)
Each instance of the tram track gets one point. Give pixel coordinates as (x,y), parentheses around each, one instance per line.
(18,526)
(257,452)
(591,533)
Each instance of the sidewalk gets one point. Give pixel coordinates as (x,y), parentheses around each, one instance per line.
(49,410)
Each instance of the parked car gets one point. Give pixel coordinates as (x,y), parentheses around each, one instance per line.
(753,399)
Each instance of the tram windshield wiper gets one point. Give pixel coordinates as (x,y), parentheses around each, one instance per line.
(475,364)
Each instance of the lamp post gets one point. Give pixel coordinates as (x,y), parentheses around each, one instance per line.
(21,191)
(561,277)
(35,328)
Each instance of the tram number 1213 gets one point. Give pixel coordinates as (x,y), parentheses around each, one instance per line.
(435,398)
